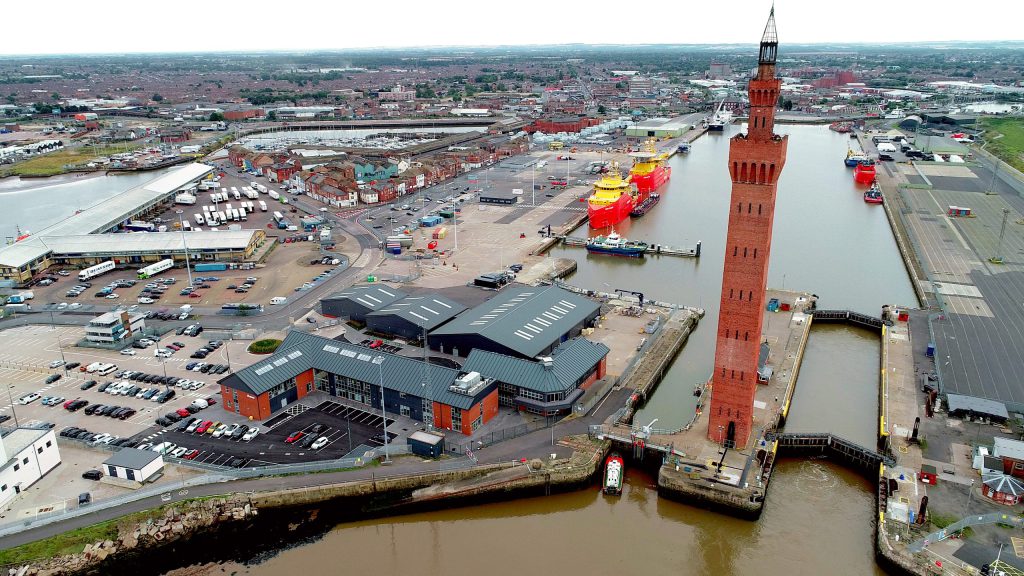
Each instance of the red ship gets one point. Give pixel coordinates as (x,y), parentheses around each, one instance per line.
(649,171)
(864,172)
(611,201)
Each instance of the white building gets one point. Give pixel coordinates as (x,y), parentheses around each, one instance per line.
(27,455)
(114,326)
(133,464)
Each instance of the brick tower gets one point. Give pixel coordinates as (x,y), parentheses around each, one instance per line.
(755,161)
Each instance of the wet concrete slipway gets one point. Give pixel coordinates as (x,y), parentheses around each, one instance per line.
(819,517)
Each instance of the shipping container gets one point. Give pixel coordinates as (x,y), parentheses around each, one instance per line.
(210,267)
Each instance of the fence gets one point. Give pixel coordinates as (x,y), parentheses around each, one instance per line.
(501,435)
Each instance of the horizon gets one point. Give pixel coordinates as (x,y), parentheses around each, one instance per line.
(194,28)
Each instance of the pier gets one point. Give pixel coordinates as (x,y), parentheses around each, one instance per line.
(653,249)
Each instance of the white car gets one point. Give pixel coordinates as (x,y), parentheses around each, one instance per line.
(56,364)
(62,305)
(195,424)
(222,429)
(251,434)
(28,398)
(147,341)
(179,452)
(63,273)
(128,352)
(74,306)
(113,296)
(319,443)
(144,300)
(133,307)
(162,353)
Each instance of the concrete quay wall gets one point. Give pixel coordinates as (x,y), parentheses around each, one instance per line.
(701,491)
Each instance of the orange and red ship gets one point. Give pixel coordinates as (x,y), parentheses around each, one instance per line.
(612,199)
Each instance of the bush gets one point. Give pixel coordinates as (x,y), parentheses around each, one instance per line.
(265,346)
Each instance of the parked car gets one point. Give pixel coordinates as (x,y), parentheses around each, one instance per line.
(295,436)
(320,443)
(251,434)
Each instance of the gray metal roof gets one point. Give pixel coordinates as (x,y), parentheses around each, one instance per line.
(372,296)
(132,458)
(424,311)
(525,319)
(977,405)
(1003,483)
(570,362)
(300,352)
(1007,448)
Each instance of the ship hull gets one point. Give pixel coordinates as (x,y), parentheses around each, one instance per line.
(716,127)
(627,252)
(646,183)
(645,205)
(603,216)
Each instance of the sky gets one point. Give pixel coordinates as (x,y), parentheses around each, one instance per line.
(66,27)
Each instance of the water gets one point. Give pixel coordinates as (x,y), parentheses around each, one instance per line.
(35,203)
(818,518)
(587,533)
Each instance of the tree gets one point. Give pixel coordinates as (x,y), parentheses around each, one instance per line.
(55,96)
(216,117)
(271,115)
(601,109)
(157,98)
(787,105)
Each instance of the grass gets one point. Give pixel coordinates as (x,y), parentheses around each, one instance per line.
(265,346)
(71,542)
(54,162)
(1010,146)
(943,520)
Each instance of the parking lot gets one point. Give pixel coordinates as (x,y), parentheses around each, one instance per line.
(344,428)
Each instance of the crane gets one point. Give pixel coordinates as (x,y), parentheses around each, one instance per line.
(639,295)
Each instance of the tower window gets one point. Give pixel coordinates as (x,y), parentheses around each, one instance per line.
(730,293)
(755,252)
(758,209)
(735,250)
(744,252)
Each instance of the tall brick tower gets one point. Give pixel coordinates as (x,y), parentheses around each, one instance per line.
(755,161)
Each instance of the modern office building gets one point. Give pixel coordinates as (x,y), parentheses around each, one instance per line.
(114,326)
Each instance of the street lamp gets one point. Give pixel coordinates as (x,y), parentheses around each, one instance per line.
(181,228)
(379,361)
(11,400)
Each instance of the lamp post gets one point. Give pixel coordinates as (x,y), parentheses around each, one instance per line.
(181,228)
(379,361)
(11,400)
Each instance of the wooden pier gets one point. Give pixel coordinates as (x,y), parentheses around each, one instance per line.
(652,249)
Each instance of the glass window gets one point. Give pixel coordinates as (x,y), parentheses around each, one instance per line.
(24,460)
(17,467)
(130,473)
(49,443)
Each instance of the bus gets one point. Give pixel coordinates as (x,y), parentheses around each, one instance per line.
(154,269)
(94,271)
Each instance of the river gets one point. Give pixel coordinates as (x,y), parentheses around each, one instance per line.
(35,203)
(818,518)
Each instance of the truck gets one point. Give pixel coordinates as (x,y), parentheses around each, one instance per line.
(199,219)
(18,307)
(235,217)
(251,194)
(260,188)
(263,206)
(274,195)
(210,267)
(186,199)
(236,194)
(221,216)
(94,271)
(154,269)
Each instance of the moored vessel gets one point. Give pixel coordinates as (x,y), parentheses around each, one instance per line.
(854,158)
(649,170)
(614,470)
(873,195)
(645,205)
(612,199)
(864,172)
(617,246)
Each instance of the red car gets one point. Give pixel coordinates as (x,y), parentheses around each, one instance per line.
(204,427)
(174,347)
(69,402)
(183,413)
(294,437)
(191,455)
(211,400)
(195,295)
(376,344)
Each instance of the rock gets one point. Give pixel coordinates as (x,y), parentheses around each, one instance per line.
(101,555)
(88,549)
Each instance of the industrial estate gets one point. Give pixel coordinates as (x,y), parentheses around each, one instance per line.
(449,281)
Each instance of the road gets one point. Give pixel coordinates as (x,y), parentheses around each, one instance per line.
(534,445)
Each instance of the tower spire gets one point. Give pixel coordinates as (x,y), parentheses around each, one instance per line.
(769,41)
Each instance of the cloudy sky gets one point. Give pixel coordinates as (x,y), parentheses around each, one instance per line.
(63,26)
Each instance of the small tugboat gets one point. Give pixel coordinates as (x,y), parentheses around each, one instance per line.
(645,205)
(864,172)
(614,470)
(873,195)
(617,246)
(683,148)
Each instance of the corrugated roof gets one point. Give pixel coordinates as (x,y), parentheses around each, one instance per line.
(570,362)
(1005,447)
(977,405)
(372,296)
(424,311)
(525,319)
(300,352)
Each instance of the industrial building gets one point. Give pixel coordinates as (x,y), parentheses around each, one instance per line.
(549,386)
(358,301)
(96,234)
(500,197)
(658,128)
(26,455)
(133,465)
(305,363)
(521,321)
(413,316)
(114,326)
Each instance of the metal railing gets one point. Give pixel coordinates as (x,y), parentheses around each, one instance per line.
(943,533)
(497,436)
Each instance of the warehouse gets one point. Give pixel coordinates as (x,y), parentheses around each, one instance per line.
(305,364)
(658,128)
(413,316)
(358,301)
(522,321)
(549,386)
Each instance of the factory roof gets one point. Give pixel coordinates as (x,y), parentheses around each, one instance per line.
(372,296)
(662,124)
(147,242)
(570,362)
(1008,448)
(525,319)
(300,352)
(426,312)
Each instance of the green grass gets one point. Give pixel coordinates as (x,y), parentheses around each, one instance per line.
(72,542)
(54,162)
(1010,146)
(265,346)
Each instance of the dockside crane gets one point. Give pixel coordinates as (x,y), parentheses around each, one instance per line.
(639,295)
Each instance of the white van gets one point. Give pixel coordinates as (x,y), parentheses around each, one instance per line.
(108,369)
(278,300)
(94,367)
